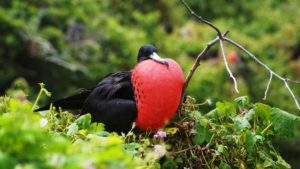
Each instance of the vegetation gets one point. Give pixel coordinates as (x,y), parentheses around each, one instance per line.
(56,140)
(72,44)
(75,43)
(233,135)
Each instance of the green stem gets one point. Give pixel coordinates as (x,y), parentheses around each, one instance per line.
(206,163)
(266,128)
(208,144)
(42,85)
(37,99)
(184,150)
(254,125)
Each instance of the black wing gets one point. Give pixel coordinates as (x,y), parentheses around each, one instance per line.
(116,85)
(72,102)
(112,102)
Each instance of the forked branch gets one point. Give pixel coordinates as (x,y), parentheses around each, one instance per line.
(197,61)
(202,19)
(284,80)
(221,38)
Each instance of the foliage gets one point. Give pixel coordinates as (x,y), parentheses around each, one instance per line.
(75,43)
(56,140)
(234,134)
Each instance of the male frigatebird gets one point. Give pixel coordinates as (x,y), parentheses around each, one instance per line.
(148,95)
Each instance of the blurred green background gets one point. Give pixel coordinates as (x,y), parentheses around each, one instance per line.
(72,44)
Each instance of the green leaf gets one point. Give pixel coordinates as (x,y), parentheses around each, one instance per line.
(242,101)
(226,109)
(224,165)
(222,149)
(169,164)
(263,111)
(198,138)
(132,148)
(195,114)
(202,135)
(72,129)
(179,160)
(103,133)
(283,122)
(250,142)
(213,114)
(241,123)
(281,162)
(204,122)
(250,114)
(96,127)
(84,121)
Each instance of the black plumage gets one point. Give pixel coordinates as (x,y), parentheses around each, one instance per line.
(111,101)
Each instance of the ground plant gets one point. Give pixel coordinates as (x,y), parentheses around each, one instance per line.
(236,134)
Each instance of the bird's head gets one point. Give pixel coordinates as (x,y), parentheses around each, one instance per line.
(150,52)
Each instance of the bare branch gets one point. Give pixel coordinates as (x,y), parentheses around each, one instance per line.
(291,92)
(197,61)
(268,86)
(268,69)
(202,19)
(293,81)
(227,66)
(222,38)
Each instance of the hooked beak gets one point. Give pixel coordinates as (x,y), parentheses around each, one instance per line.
(154,56)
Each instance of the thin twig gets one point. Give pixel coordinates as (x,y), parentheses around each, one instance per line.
(267,68)
(184,150)
(197,61)
(268,86)
(291,92)
(267,128)
(206,163)
(202,19)
(293,81)
(227,66)
(208,46)
(222,38)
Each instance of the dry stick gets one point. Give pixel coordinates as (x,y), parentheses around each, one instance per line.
(202,19)
(269,69)
(293,81)
(221,38)
(194,67)
(268,86)
(204,51)
(227,66)
(208,46)
(197,62)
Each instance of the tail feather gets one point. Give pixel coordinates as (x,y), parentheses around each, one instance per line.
(71,102)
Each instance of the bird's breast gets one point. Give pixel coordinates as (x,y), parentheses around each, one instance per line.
(157,90)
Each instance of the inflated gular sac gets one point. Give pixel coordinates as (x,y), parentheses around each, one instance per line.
(157,90)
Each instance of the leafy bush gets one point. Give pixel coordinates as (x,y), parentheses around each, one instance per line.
(234,134)
(56,140)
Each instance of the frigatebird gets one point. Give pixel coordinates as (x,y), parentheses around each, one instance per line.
(148,95)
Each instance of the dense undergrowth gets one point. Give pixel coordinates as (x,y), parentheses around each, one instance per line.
(235,134)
